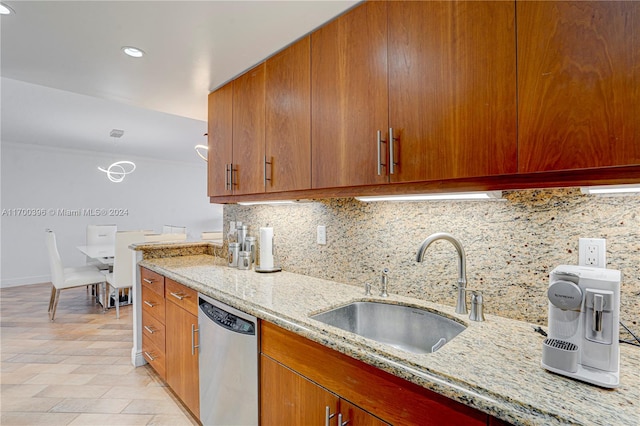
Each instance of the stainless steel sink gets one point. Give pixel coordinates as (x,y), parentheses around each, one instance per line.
(403,327)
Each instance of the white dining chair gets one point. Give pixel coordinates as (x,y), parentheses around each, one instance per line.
(154,238)
(123,268)
(63,278)
(211,235)
(100,235)
(170,229)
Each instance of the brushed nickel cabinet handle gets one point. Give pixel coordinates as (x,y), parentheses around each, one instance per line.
(194,330)
(149,304)
(148,355)
(380,142)
(327,415)
(149,329)
(340,422)
(392,162)
(147,281)
(264,170)
(179,296)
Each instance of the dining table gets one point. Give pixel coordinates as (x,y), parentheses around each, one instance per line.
(103,253)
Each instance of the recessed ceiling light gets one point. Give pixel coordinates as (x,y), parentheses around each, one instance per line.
(134,52)
(5,10)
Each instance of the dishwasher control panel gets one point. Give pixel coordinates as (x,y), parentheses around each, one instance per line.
(226,319)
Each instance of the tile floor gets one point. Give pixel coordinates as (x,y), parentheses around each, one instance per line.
(76,370)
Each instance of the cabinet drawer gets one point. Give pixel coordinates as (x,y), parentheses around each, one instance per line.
(152,304)
(154,356)
(152,280)
(182,296)
(388,397)
(154,330)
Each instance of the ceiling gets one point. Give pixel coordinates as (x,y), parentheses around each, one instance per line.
(66,83)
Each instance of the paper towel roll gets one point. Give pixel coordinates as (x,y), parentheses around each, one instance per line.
(266,248)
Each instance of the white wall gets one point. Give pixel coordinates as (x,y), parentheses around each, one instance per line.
(36,177)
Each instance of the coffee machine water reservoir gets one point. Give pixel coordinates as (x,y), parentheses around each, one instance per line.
(584,311)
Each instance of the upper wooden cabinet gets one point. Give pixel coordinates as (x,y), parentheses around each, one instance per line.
(578,79)
(248,132)
(452,89)
(398,97)
(437,79)
(288,119)
(349,97)
(260,127)
(220,140)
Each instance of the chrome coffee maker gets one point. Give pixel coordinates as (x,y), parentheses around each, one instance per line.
(584,311)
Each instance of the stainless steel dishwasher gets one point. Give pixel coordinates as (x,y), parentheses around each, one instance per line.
(228,364)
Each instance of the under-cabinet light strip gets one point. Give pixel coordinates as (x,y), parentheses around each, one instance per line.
(490,195)
(611,189)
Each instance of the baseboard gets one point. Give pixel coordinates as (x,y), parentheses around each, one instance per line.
(16,282)
(137,359)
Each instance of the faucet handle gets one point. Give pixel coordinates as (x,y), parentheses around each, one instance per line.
(477,311)
(384,281)
(367,289)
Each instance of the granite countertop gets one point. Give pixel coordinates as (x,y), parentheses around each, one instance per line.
(493,366)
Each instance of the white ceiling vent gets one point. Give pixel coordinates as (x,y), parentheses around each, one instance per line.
(116,133)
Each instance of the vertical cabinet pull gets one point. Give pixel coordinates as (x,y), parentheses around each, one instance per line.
(327,415)
(392,161)
(231,181)
(380,142)
(228,177)
(194,330)
(340,422)
(264,170)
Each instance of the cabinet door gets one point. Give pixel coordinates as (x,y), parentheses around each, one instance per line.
(219,135)
(181,360)
(248,132)
(288,119)
(349,97)
(357,416)
(578,78)
(287,398)
(452,89)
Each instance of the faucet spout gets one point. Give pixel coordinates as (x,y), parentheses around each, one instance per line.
(461,303)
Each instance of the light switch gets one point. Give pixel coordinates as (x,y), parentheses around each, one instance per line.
(322,234)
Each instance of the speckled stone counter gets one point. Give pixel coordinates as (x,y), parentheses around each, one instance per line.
(492,366)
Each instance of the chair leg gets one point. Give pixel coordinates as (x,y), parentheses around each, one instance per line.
(105,300)
(117,303)
(53,296)
(55,305)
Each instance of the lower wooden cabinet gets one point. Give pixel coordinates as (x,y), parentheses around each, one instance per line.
(181,350)
(169,335)
(300,378)
(287,398)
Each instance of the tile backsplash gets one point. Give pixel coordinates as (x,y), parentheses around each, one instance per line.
(511,244)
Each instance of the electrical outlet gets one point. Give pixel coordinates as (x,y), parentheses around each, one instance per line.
(322,234)
(592,252)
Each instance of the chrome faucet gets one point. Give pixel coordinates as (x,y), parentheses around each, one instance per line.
(461,303)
